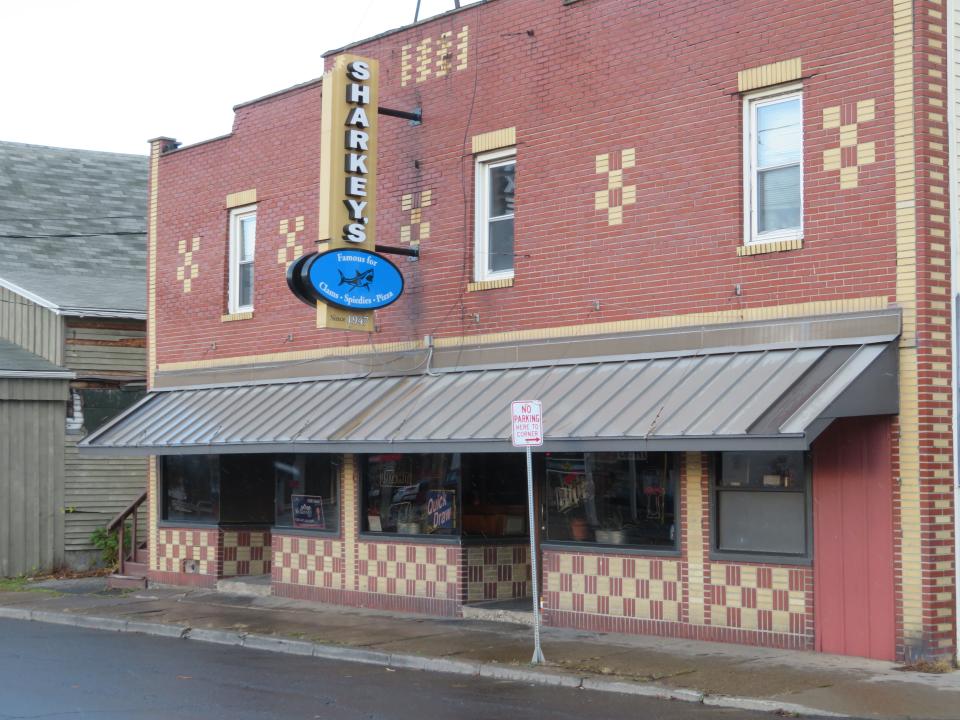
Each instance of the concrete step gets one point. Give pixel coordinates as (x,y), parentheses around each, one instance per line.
(126,582)
(135,569)
(248,585)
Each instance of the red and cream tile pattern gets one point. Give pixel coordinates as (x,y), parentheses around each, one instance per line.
(425,571)
(188,551)
(310,562)
(500,572)
(246,552)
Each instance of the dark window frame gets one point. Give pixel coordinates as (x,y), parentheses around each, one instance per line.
(748,556)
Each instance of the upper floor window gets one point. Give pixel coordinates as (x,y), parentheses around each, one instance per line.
(243,233)
(773,165)
(495,183)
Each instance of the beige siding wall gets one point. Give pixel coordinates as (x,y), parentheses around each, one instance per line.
(109,349)
(33,327)
(96,489)
(31,480)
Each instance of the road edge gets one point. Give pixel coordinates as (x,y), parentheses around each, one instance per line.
(279,644)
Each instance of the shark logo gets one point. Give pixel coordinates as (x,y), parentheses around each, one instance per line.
(361,279)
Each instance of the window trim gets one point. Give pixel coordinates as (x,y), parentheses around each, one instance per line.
(483,163)
(751,101)
(747,556)
(233,294)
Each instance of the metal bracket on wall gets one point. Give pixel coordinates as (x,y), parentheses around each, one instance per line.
(415,117)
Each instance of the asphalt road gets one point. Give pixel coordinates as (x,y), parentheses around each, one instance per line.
(53,671)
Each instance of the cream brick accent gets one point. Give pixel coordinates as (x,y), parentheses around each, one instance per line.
(489,284)
(244,197)
(237,316)
(769,247)
(772,74)
(350,490)
(609,199)
(695,557)
(494,140)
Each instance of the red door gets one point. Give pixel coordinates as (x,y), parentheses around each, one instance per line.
(853,539)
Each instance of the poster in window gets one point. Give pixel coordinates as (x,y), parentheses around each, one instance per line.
(308,512)
(441,513)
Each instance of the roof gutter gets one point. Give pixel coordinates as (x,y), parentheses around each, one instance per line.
(37,375)
(125,313)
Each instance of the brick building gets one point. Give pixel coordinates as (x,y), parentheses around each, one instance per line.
(712,238)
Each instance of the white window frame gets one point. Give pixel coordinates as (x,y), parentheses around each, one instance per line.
(233,294)
(751,102)
(483,164)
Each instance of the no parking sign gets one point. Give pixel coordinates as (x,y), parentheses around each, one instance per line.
(527,423)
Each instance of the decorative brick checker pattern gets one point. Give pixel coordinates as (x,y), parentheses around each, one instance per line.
(851,154)
(500,572)
(313,562)
(448,53)
(246,552)
(292,247)
(613,586)
(188,551)
(423,571)
(188,270)
(768,599)
(417,229)
(616,196)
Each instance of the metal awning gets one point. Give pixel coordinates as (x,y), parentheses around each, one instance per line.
(756,398)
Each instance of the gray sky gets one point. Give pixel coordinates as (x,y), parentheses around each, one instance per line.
(109,74)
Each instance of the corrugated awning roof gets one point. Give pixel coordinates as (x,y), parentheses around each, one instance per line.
(776,397)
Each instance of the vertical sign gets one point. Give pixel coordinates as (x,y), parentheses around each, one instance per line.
(348,172)
(527,432)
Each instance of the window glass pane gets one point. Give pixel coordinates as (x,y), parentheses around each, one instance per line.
(248,231)
(763,522)
(245,287)
(779,130)
(495,495)
(247,489)
(501,179)
(763,470)
(191,488)
(621,498)
(306,495)
(500,251)
(778,199)
(412,494)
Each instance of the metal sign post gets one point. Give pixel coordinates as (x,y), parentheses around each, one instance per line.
(527,416)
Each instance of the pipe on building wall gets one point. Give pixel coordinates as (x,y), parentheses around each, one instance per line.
(953,68)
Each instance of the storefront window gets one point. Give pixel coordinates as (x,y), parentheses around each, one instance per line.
(255,489)
(412,494)
(306,492)
(191,488)
(476,495)
(495,495)
(622,498)
(761,503)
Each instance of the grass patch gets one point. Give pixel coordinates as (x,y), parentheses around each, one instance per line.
(15,584)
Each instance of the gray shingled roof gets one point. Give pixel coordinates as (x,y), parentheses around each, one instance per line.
(73,228)
(14,358)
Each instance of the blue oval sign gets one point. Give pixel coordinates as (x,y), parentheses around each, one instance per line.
(353,279)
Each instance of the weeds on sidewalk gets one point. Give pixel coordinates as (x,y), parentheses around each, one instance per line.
(932,667)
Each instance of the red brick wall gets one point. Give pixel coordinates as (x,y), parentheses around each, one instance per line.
(592,78)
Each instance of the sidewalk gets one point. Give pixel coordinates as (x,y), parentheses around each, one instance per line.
(729,675)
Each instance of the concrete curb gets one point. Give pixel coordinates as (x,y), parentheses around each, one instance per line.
(496,671)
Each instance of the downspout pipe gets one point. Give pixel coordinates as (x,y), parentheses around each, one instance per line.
(953,67)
